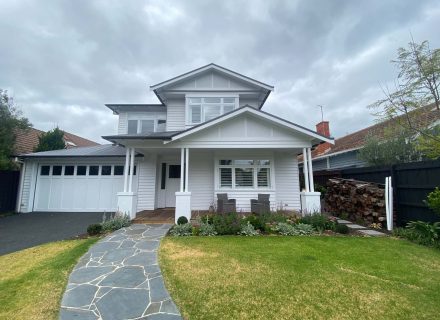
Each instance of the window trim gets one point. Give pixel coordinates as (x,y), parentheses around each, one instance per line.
(188,121)
(255,167)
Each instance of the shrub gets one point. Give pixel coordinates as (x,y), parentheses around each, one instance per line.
(285,229)
(304,229)
(94,229)
(229,223)
(207,229)
(182,220)
(195,230)
(342,228)
(319,221)
(257,221)
(117,221)
(181,230)
(424,232)
(248,229)
(433,200)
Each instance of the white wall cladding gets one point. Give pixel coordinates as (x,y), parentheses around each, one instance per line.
(176,115)
(147,184)
(287,181)
(201,179)
(122,123)
(26,186)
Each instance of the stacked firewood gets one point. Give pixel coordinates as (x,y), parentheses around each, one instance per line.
(358,200)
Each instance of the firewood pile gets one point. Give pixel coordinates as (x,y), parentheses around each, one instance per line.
(361,201)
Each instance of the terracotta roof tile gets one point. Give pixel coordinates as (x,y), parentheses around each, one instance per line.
(27,141)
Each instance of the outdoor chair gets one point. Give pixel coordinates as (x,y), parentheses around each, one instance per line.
(225,205)
(261,205)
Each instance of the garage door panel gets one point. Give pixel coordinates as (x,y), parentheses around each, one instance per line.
(56,193)
(68,198)
(93,193)
(105,192)
(42,194)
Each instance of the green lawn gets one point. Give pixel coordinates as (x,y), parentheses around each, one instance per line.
(301,278)
(32,281)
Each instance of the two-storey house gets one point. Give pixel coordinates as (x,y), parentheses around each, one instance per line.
(208,135)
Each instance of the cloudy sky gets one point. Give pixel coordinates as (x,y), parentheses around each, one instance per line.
(63,60)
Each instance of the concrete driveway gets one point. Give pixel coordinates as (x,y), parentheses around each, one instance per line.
(26,230)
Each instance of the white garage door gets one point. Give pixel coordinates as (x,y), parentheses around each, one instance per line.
(82,188)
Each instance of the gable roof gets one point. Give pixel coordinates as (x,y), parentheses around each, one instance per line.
(211,66)
(422,118)
(318,138)
(27,140)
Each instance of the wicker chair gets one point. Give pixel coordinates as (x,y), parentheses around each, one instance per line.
(261,205)
(225,205)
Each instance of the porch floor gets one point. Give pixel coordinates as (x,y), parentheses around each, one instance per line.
(165,215)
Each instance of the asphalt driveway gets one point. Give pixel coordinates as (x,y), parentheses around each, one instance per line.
(26,230)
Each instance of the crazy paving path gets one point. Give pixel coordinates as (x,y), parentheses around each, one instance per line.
(119,278)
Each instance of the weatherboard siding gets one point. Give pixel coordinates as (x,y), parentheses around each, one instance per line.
(201,179)
(147,184)
(176,115)
(287,182)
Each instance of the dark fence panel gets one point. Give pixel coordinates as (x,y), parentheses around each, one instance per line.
(9,181)
(411,182)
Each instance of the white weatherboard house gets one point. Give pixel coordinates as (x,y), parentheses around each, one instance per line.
(207,136)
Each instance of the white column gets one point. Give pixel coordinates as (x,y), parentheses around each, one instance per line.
(131,169)
(305,170)
(182,164)
(186,169)
(312,185)
(127,156)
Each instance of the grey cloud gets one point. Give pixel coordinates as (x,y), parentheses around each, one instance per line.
(63,60)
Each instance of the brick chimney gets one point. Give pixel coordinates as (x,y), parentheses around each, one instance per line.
(323,128)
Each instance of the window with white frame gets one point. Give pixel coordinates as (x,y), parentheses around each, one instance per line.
(204,109)
(242,174)
(145,126)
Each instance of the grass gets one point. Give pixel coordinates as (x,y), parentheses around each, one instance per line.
(301,277)
(32,281)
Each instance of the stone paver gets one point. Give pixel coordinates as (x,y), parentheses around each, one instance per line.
(119,278)
(361,229)
(373,233)
(355,226)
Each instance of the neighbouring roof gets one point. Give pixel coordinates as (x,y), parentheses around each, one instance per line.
(105,150)
(27,140)
(119,107)
(422,118)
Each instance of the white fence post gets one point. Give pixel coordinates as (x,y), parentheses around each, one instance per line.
(389,203)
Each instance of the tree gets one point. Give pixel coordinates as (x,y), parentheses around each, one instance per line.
(426,145)
(397,145)
(11,120)
(416,86)
(51,140)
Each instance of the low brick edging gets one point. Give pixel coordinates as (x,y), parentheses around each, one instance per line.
(119,278)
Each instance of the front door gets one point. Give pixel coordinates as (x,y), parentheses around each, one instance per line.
(172,184)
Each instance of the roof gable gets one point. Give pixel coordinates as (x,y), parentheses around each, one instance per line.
(261,125)
(210,76)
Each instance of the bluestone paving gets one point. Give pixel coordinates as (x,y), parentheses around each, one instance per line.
(119,278)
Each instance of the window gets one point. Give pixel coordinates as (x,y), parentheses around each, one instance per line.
(132,127)
(93,170)
(205,109)
(56,170)
(237,174)
(163,176)
(147,126)
(69,170)
(119,170)
(45,170)
(161,125)
(81,170)
(106,170)
(174,171)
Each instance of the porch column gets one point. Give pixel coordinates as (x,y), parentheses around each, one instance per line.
(305,170)
(182,168)
(186,169)
(131,170)
(127,156)
(312,185)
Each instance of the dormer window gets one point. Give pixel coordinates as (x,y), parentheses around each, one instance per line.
(201,109)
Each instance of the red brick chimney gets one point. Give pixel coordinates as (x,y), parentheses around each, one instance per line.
(323,128)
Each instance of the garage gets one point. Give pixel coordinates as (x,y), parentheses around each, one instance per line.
(88,182)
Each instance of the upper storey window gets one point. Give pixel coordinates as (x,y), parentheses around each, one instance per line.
(204,109)
(146,126)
